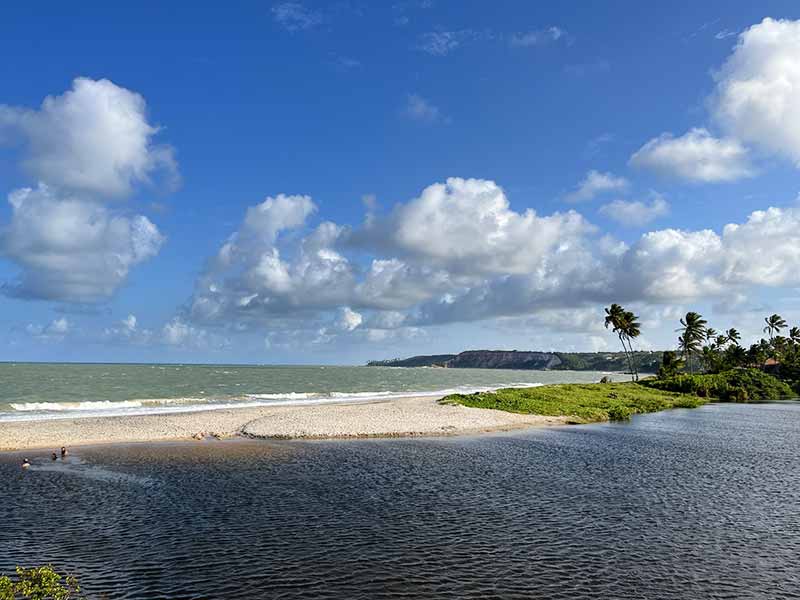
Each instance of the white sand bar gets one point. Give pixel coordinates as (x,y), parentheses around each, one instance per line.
(395,418)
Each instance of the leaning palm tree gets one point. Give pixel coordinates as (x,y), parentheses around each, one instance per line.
(693,333)
(631,329)
(774,325)
(794,335)
(617,318)
(733,336)
(711,333)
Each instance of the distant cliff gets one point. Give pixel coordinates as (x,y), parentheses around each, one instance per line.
(647,362)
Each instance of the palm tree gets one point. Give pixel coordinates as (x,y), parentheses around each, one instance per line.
(774,325)
(620,320)
(733,336)
(736,355)
(710,359)
(688,347)
(693,332)
(631,329)
(670,364)
(711,333)
(794,334)
(779,344)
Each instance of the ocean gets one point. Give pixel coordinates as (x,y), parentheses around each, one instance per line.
(677,505)
(32,391)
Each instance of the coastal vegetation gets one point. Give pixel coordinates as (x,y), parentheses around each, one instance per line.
(736,385)
(581,403)
(707,366)
(591,402)
(38,583)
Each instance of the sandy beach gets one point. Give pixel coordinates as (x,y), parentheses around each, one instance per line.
(419,416)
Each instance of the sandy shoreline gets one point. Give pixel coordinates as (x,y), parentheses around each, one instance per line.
(419,416)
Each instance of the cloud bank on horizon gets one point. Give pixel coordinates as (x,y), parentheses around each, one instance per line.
(462,250)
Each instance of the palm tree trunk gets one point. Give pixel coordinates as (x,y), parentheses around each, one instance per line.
(627,354)
(634,367)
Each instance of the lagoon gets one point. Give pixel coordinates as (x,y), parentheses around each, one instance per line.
(682,504)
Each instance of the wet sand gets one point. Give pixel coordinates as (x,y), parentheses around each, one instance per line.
(422,416)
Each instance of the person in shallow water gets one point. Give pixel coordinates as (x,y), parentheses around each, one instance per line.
(26,463)
(53,456)
(63,451)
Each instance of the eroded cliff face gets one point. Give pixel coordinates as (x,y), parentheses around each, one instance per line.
(503,359)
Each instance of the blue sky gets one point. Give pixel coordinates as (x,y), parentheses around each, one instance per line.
(331,182)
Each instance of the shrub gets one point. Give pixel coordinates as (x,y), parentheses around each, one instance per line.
(736,385)
(38,583)
(619,412)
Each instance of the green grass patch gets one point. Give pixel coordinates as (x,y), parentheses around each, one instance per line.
(582,403)
(593,402)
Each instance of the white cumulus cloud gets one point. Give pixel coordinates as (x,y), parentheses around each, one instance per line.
(596,183)
(635,213)
(459,252)
(129,331)
(468,224)
(179,333)
(85,147)
(94,138)
(695,156)
(673,264)
(758,88)
(71,249)
(55,330)
(251,276)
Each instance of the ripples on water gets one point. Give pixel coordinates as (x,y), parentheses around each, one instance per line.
(682,504)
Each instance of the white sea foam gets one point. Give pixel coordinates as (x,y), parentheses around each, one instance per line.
(101,405)
(74,406)
(284,395)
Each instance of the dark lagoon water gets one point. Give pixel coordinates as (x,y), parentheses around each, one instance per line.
(688,504)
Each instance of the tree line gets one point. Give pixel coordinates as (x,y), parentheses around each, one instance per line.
(703,348)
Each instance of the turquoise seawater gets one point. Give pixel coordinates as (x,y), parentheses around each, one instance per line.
(44,391)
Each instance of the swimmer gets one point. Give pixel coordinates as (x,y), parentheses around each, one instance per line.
(53,456)
(26,464)
(63,451)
